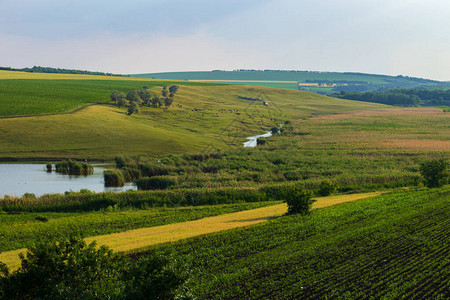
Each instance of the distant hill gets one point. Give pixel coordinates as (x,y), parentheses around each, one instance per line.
(39,69)
(319,82)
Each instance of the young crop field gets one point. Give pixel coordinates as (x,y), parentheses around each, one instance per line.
(391,246)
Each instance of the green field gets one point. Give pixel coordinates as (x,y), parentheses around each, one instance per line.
(394,245)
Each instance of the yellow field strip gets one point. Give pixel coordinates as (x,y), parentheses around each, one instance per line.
(145,237)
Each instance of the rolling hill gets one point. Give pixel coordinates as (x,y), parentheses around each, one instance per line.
(47,116)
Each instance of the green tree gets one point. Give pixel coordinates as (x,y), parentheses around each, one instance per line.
(133,108)
(67,269)
(299,200)
(133,96)
(155,101)
(326,188)
(435,172)
(164,91)
(173,89)
(145,96)
(168,101)
(114,96)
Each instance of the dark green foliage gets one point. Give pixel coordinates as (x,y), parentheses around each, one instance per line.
(113,178)
(114,96)
(133,96)
(299,200)
(172,90)
(133,108)
(401,96)
(326,188)
(145,95)
(164,91)
(49,167)
(157,277)
(67,269)
(41,219)
(274,130)
(435,172)
(139,199)
(71,269)
(73,168)
(155,183)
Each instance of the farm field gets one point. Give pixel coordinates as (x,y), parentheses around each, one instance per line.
(126,240)
(393,245)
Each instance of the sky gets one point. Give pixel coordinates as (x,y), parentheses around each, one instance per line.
(401,37)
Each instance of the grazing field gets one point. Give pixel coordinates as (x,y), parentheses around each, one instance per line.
(390,246)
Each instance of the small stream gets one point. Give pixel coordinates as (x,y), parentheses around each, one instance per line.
(252,140)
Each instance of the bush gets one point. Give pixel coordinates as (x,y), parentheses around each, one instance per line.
(71,269)
(67,269)
(113,178)
(435,173)
(299,200)
(155,183)
(326,188)
(49,167)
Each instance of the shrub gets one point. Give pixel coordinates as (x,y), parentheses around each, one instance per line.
(71,269)
(155,183)
(49,167)
(326,188)
(113,178)
(68,269)
(299,200)
(435,172)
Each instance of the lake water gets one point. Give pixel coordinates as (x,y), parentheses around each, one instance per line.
(17,179)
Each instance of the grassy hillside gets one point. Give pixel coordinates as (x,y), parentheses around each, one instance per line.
(204,116)
(391,246)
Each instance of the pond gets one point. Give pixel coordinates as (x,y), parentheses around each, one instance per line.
(18,179)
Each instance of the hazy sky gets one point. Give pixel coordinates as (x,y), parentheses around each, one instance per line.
(408,37)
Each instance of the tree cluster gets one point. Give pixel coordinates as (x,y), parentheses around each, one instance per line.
(401,96)
(143,97)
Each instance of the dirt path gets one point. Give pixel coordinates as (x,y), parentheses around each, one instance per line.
(137,239)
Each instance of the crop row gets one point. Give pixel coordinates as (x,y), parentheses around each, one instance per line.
(389,246)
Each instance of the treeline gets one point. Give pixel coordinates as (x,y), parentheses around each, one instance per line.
(143,97)
(39,69)
(403,97)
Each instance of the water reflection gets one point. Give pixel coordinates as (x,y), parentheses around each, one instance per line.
(17,179)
